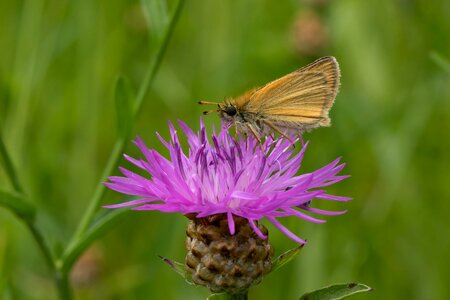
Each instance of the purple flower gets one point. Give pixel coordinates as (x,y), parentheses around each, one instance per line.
(235,176)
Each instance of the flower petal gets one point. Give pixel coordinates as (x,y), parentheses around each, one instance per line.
(226,174)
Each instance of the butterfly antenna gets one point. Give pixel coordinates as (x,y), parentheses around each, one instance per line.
(208,102)
(207,112)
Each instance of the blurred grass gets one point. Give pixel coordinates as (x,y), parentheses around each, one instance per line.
(58,64)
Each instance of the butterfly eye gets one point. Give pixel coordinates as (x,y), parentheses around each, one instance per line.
(231,111)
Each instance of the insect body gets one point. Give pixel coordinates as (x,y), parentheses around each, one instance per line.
(300,100)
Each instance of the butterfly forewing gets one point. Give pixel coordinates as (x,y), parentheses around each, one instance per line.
(300,99)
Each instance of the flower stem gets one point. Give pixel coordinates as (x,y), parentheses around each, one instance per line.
(223,296)
(61,279)
(99,192)
(120,142)
(62,285)
(240,296)
(37,235)
(62,282)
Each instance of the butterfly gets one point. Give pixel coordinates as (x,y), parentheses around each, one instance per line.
(300,100)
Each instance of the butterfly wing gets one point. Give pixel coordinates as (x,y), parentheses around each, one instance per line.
(301,99)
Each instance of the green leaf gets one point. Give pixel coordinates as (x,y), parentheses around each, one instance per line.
(106,220)
(338,291)
(179,268)
(285,257)
(18,205)
(157,17)
(123,97)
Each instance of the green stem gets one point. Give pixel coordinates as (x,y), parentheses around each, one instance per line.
(240,296)
(99,192)
(120,143)
(226,296)
(101,226)
(61,279)
(38,237)
(61,274)
(9,168)
(30,224)
(62,282)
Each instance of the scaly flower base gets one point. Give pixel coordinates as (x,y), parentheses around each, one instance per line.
(224,262)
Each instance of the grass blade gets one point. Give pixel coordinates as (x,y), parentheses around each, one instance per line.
(157,17)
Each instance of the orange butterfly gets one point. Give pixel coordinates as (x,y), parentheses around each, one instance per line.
(300,100)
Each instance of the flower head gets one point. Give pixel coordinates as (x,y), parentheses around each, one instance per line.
(228,175)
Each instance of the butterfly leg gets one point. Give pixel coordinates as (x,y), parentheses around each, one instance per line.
(276,129)
(300,137)
(255,134)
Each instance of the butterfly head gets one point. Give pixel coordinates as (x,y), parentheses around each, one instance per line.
(228,112)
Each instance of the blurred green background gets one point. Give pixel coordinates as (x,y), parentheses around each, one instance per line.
(391,121)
